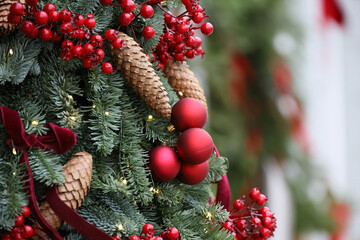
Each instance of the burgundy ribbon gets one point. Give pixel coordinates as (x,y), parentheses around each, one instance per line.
(223,194)
(333,11)
(57,139)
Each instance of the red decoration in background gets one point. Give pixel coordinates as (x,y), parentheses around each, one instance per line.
(333,11)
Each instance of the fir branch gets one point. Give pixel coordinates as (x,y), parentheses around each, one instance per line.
(217,167)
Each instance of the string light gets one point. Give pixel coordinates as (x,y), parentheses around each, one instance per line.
(35,122)
(14,173)
(73,118)
(11,52)
(171,128)
(209,215)
(153,190)
(150,118)
(14,151)
(93,106)
(70,97)
(123,181)
(120,227)
(107,113)
(180,94)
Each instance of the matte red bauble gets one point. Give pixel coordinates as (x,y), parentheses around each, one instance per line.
(164,163)
(193,174)
(188,113)
(195,146)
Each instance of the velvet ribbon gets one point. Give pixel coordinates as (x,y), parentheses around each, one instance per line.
(333,11)
(223,194)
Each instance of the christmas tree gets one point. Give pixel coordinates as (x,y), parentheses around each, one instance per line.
(94,136)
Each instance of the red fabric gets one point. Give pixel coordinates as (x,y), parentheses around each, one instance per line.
(72,218)
(57,139)
(333,11)
(223,194)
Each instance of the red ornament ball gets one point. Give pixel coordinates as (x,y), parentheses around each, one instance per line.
(195,146)
(164,163)
(188,113)
(193,174)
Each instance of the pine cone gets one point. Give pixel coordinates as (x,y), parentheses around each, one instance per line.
(77,172)
(183,80)
(138,71)
(5,26)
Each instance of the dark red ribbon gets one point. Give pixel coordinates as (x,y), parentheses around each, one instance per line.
(57,139)
(223,194)
(333,11)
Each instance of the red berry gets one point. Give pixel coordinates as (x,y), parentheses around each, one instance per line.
(77,51)
(173,233)
(147,11)
(207,28)
(73,32)
(255,194)
(241,224)
(158,238)
(105,2)
(134,237)
(6,236)
(27,27)
(65,27)
(19,221)
(27,231)
(99,55)
(179,56)
(180,47)
(239,204)
(81,33)
(256,222)
(229,226)
(125,18)
(190,41)
(117,43)
(55,37)
(183,27)
(110,34)
(168,18)
(65,15)
(34,33)
(90,23)
(88,63)
(49,8)
(265,232)
(96,40)
(17,236)
(25,212)
(66,55)
(198,17)
(190,53)
(169,37)
(178,37)
(186,2)
(16,9)
(127,6)
(88,49)
(267,222)
(106,68)
(67,44)
(148,32)
(45,34)
(165,58)
(79,20)
(267,214)
(262,200)
(197,42)
(13,19)
(54,16)
(31,2)
(41,17)
(147,228)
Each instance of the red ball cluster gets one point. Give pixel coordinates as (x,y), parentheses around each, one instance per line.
(251,221)
(148,232)
(20,231)
(194,146)
(178,40)
(54,26)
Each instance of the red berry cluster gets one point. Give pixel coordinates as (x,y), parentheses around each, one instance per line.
(250,222)
(20,231)
(178,40)
(50,25)
(128,15)
(148,232)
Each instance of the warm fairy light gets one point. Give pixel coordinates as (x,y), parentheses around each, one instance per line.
(107,113)
(14,151)
(73,118)
(180,94)
(209,215)
(154,190)
(123,181)
(120,227)
(70,97)
(35,122)
(14,173)
(93,106)
(11,52)
(150,118)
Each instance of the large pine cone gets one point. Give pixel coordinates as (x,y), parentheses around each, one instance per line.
(138,71)
(183,80)
(77,172)
(5,26)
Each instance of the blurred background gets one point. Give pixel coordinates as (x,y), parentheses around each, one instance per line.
(282,81)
